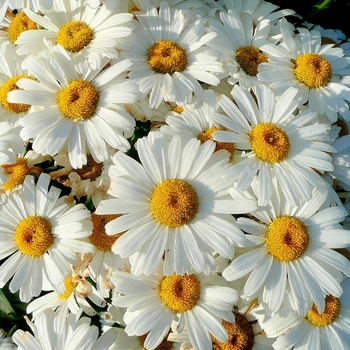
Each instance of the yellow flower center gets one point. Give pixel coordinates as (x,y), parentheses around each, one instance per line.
(269,142)
(177,109)
(179,293)
(74,36)
(70,287)
(10,85)
(249,58)
(78,101)
(208,135)
(240,335)
(19,24)
(286,238)
(17,173)
(312,70)
(91,170)
(165,56)
(330,314)
(33,236)
(174,203)
(99,238)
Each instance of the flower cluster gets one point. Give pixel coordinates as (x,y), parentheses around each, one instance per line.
(175,171)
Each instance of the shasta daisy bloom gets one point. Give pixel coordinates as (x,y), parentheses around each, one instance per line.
(152,303)
(238,40)
(39,235)
(295,252)
(84,111)
(319,72)
(170,55)
(52,331)
(324,330)
(78,294)
(196,118)
(80,29)
(275,143)
(174,205)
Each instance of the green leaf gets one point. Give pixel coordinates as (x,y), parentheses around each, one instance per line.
(6,310)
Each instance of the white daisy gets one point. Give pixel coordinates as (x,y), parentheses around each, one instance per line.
(238,40)
(295,252)
(171,57)
(196,118)
(78,294)
(174,204)
(275,143)
(316,70)
(6,343)
(52,331)
(40,234)
(152,303)
(324,330)
(84,110)
(80,29)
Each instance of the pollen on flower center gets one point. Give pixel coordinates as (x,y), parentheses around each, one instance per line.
(208,135)
(165,56)
(249,58)
(330,314)
(78,101)
(240,335)
(74,36)
(174,203)
(33,236)
(312,70)
(99,237)
(19,24)
(70,287)
(286,238)
(91,170)
(180,293)
(269,142)
(17,173)
(10,85)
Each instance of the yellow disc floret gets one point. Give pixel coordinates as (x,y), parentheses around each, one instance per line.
(17,173)
(269,142)
(19,24)
(180,293)
(33,236)
(208,135)
(165,56)
(286,238)
(74,36)
(330,314)
(249,58)
(78,101)
(174,203)
(240,335)
(6,87)
(69,286)
(99,237)
(312,70)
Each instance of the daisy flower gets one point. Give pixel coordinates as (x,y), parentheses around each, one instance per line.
(52,331)
(6,343)
(238,40)
(152,303)
(78,294)
(196,118)
(319,72)
(275,143)
(170,56)
(323,330)
(174,204)
(295,252)
(83,111)
(80,29)
(39,235)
